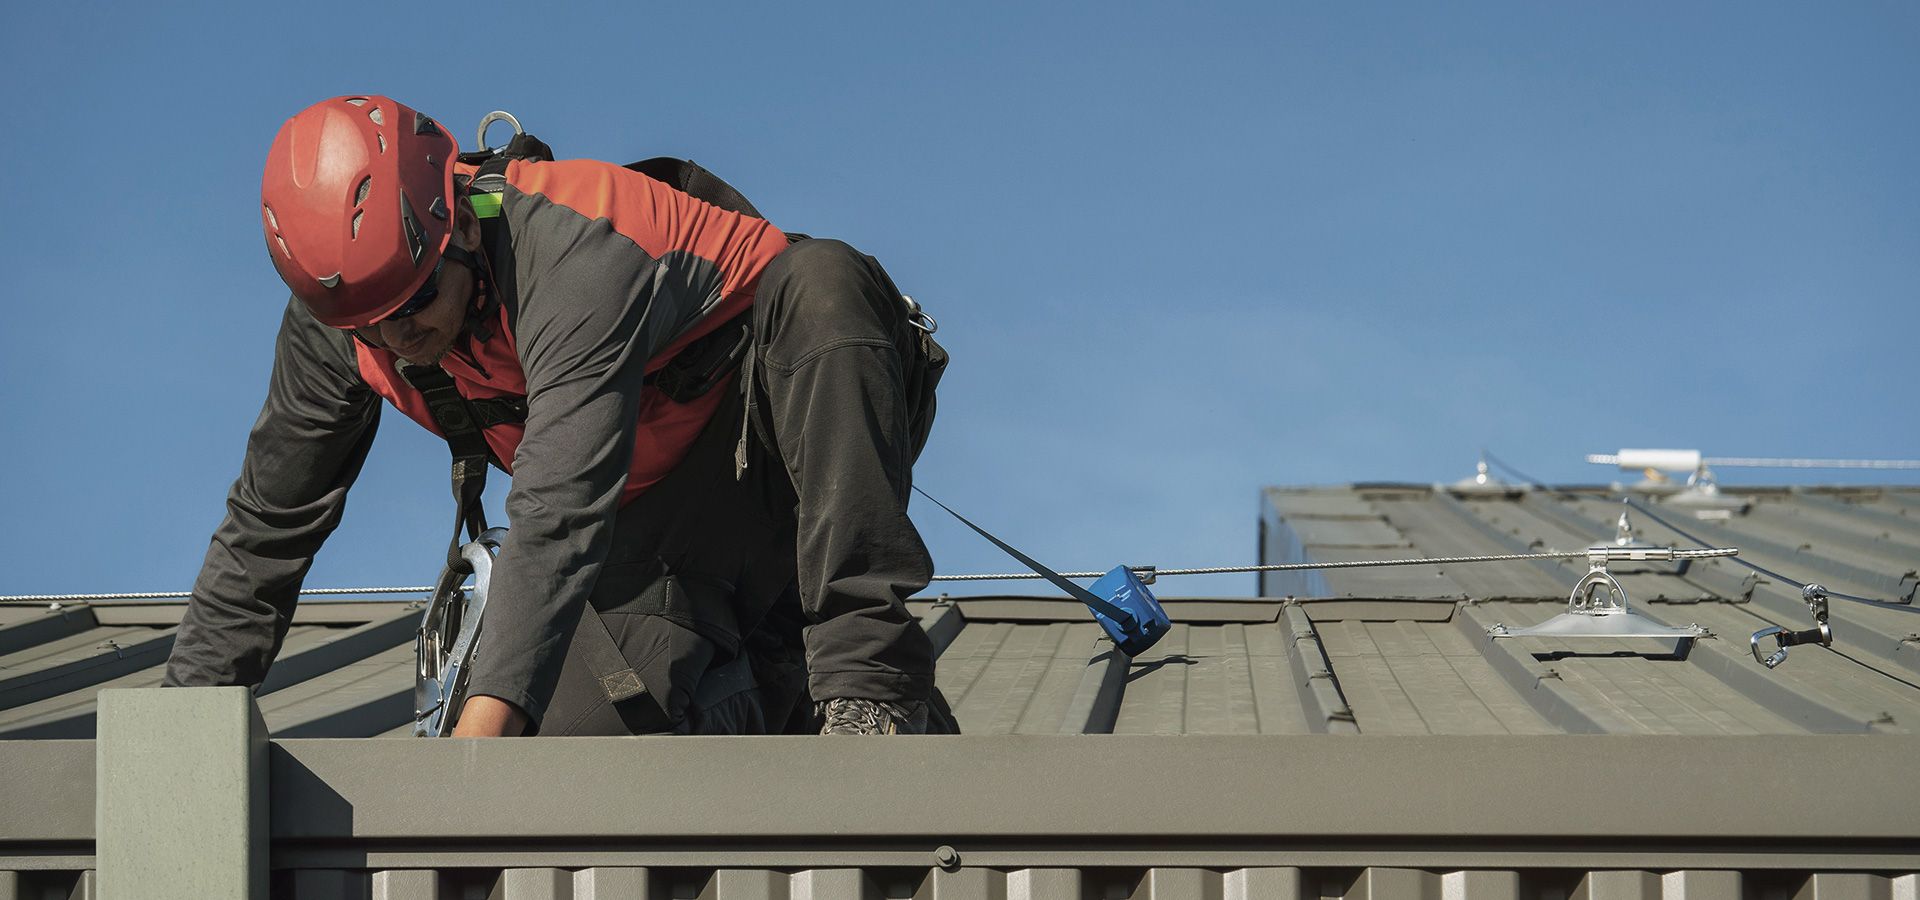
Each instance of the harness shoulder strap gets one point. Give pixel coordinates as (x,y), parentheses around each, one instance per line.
(692,178)
(455,419)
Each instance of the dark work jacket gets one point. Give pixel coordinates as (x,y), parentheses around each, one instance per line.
(602,275)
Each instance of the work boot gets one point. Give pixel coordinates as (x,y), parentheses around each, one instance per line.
(853,715)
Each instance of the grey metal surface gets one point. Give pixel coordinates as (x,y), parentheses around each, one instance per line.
(339,673)
(1070,883)
(1371,651)
(1404,676)
(181,798)
(1353,734)
(1290,794)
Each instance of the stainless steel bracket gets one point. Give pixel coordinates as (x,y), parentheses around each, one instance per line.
(1598,606)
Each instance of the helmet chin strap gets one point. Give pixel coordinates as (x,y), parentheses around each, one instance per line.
(479,321)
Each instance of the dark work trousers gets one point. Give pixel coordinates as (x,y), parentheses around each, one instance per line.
(843,392)
(741,596)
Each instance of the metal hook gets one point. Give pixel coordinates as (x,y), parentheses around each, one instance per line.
(917,317)
(1821,633)
(498,115)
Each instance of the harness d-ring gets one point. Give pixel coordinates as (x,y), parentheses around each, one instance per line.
(498,115)
(918,317)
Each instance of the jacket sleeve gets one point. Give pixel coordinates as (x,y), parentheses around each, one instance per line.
(305,450)
(604,285)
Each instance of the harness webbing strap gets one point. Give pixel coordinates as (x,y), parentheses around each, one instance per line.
(485,205)
(469,445)
(1120,616)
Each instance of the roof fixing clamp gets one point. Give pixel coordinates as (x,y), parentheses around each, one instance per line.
(1598,606)
(1821,633)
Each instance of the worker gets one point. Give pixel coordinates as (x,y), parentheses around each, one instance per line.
(710,424)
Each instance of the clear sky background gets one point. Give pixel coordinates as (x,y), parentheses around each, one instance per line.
(1178,251)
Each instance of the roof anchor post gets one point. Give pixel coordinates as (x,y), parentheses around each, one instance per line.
(1598,606)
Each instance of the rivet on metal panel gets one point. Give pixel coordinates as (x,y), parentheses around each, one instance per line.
(947,857)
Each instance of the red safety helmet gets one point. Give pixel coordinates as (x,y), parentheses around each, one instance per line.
(357,205)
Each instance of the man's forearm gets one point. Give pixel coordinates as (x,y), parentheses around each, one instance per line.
(484,716)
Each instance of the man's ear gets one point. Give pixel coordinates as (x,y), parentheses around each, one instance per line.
(466,225)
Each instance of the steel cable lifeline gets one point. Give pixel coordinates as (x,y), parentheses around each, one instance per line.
(1155,572)
(1797,585)
(1145,572)
(183,595)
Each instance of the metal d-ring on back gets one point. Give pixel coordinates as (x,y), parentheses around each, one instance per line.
(917,317)
(498,115)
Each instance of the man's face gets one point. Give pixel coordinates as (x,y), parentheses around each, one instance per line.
(426,336)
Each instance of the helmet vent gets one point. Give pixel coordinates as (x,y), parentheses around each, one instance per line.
(357,101)
(377,117)
(283,246)
(366,187)
(382,139)
(273,221)
(357,216)
(331,281)
(410,223)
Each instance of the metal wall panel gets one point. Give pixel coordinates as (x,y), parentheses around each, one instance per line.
(1072,883)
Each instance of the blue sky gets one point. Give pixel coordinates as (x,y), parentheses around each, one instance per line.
(1178,251)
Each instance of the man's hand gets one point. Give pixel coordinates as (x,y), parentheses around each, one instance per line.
(484,716)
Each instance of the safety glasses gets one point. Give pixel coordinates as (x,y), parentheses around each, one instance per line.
(421,298)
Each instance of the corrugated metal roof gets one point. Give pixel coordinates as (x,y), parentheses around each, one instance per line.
(1373,651)
(1445,677)
(345,670)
